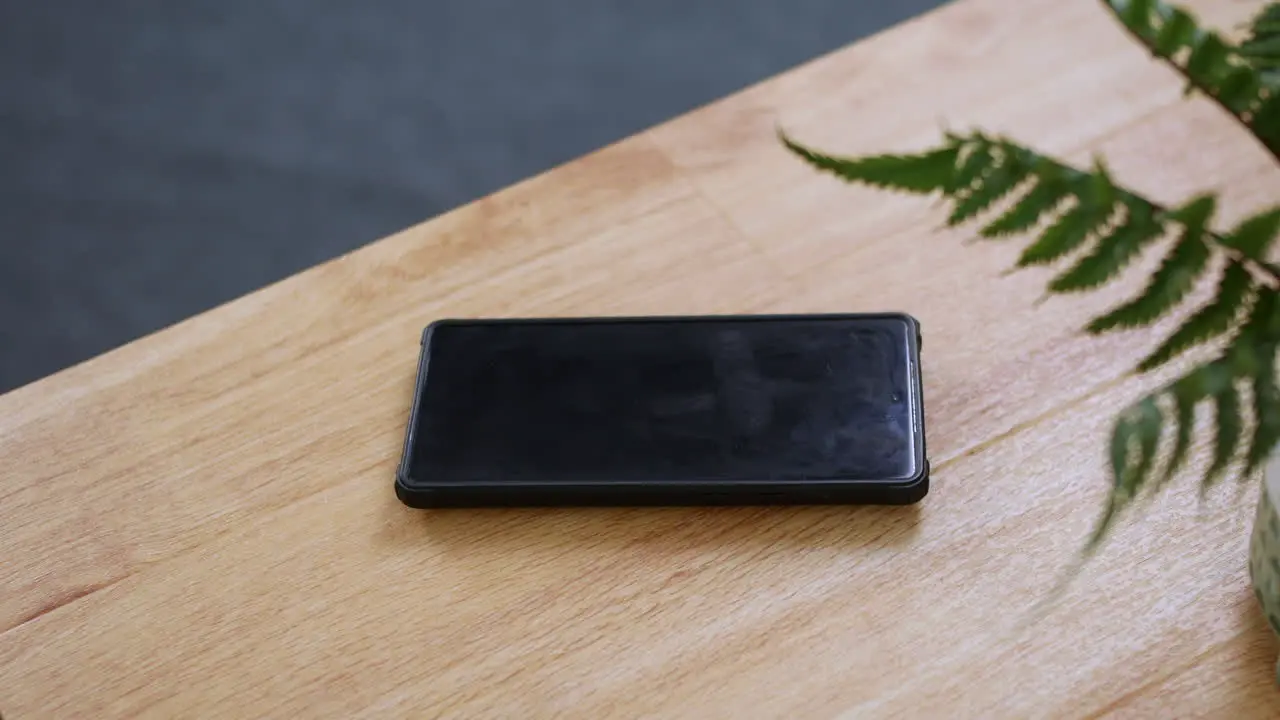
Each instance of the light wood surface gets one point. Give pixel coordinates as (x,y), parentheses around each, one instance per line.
(202,523)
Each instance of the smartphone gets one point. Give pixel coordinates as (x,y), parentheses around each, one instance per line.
(729,410)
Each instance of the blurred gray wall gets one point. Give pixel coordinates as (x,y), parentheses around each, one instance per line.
(158,158)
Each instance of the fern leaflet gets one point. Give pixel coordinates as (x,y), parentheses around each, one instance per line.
(1214,319)
(1113,252)
(1239,78)
(1261,48)
(1176,276)
(1254,235)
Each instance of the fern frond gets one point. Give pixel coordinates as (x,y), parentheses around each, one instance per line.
(1227,437)
(1184,399)
(1138,429)
(1265,120)
(988,169)
(1178,31)
(1150,423)
(1266,411)
(1240,90)
(1109,226)
(1253,236)
(974,171)
(1095,205)
(1261,48)
(1208,62)
(1219,316)
(1264,322)
(1248,360)
(1176,276)
(1049,187)
(1239,78)
(975,160)
(1062,237)
(1114,251)
(1253,356)
(1010,165)
(920,174)
(1135,438)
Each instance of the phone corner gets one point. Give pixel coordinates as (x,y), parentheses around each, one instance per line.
(915,488)
(411,494)
(432,327)
(911,321)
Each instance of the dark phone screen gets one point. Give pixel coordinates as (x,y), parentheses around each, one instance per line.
(655,400)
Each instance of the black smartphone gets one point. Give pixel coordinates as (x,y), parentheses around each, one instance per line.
(732,410)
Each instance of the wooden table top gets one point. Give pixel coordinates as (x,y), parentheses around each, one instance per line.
(202,522)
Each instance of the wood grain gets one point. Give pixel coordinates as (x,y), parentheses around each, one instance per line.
(201,523)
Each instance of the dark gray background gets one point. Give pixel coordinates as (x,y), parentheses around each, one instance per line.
(158,158)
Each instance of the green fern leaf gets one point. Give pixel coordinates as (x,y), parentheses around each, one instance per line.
(1214,319)
(1265,24)
(1265,120)
(1176,276)
(1178,31)
(1101,190)
(1149,422)
(921,174)
(1048,191)
(1233,76)
(1266,50)
(1124,437)
(1096,200)
(1239,89)
(1264,325)
(1103,526)
(1184,422)
(1195,214)
(1254,235)
(1258,331)
(1266,410)
(1263,53)
(1134,441)
(1010,170)
(1113,252)
(1067,233)
(1169,284)
(1261,49)
(976,160)
(1135,438)
(1227,437)
(1252,355)
(1267,116)
(1208,60)
(975,172)
(1208,380)
(1136,15)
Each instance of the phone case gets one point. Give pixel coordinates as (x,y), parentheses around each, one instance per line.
(417,493)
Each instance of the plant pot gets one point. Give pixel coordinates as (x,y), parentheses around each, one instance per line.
(1264,548)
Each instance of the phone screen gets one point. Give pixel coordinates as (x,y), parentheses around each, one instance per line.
(668,400)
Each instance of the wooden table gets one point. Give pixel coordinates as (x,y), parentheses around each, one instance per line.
(202,523)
